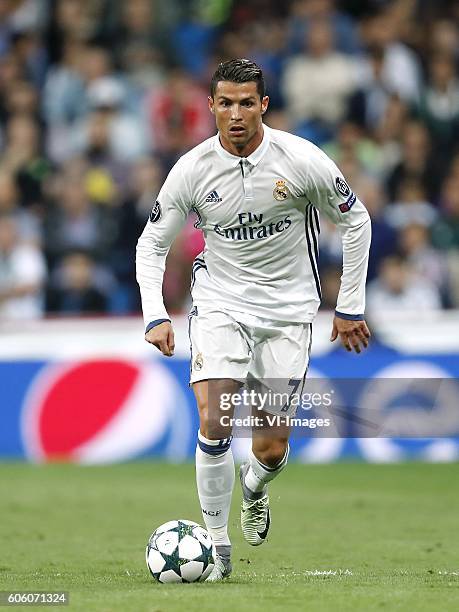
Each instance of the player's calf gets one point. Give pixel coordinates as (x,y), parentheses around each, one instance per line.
(255,512)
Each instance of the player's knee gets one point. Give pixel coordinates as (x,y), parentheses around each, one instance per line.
(272,453)
(210,424)
(203,409)
(204,419)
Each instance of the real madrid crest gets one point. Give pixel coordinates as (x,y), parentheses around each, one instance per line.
(198,362)
(281,192)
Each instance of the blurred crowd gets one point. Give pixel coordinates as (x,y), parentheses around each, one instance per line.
(98,99)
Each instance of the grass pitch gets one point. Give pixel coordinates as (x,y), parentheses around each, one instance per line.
(344,537)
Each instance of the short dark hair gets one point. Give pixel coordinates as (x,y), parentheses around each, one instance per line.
(238,71)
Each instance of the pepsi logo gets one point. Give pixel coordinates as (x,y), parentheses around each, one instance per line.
(103,410)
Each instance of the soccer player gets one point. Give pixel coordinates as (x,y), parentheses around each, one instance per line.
(257,193)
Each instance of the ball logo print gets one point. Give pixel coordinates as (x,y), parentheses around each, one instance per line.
(100,411)
(180,551)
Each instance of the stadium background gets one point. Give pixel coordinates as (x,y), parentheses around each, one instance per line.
(98,98)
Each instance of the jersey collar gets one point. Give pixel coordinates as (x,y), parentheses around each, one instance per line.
(254,158)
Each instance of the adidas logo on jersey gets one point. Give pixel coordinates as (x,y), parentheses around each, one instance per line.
(213,197)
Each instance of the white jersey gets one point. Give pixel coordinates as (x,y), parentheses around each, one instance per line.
(260,220)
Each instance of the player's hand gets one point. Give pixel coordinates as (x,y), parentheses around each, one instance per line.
(354,335)
(162,336)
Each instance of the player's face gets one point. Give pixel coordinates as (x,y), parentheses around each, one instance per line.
(238,110)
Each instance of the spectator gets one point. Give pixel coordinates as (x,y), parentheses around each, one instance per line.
(28,15)
(368,105)
(126,134)
(74,222)
(146,177)
(410,206)
(90,90)
(398,290)
(352,144)
(22,155)
(425,261)
(140,43)
(84,82)
(178,116)
(305,12)
(400,71)
(316,85)
(144,67)
(29,48)
(75,289)
(11,72)
(63,92)
(22,274)
(22,99)
(438,107)
(28,225)
(443,39)
(106,175)
(387,133)
(383,235)
(269,50)
(445,233)
(70,20)
(417,162)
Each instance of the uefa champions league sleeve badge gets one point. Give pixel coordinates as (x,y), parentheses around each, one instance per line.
(281,192)
(155,214)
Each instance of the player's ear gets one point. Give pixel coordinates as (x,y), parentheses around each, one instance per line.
(264,104)
(210,102)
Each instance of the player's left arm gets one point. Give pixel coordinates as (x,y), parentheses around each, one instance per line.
(330,193)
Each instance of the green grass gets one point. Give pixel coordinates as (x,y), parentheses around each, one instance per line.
(390,534)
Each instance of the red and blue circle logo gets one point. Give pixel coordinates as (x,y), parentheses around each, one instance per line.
(104,410)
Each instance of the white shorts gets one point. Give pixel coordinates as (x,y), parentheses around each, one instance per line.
(222,347)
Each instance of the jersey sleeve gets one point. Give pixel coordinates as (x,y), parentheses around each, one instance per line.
(329,192)
(166,219)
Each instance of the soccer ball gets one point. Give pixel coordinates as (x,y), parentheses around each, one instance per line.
(180,551)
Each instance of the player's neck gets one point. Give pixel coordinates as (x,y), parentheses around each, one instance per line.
(248,148)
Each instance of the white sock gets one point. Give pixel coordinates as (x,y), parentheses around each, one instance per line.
(258,475)
(215,481)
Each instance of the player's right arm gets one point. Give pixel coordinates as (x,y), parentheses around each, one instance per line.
(166,219)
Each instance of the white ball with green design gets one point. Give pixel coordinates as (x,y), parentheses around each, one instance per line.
(180,551)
